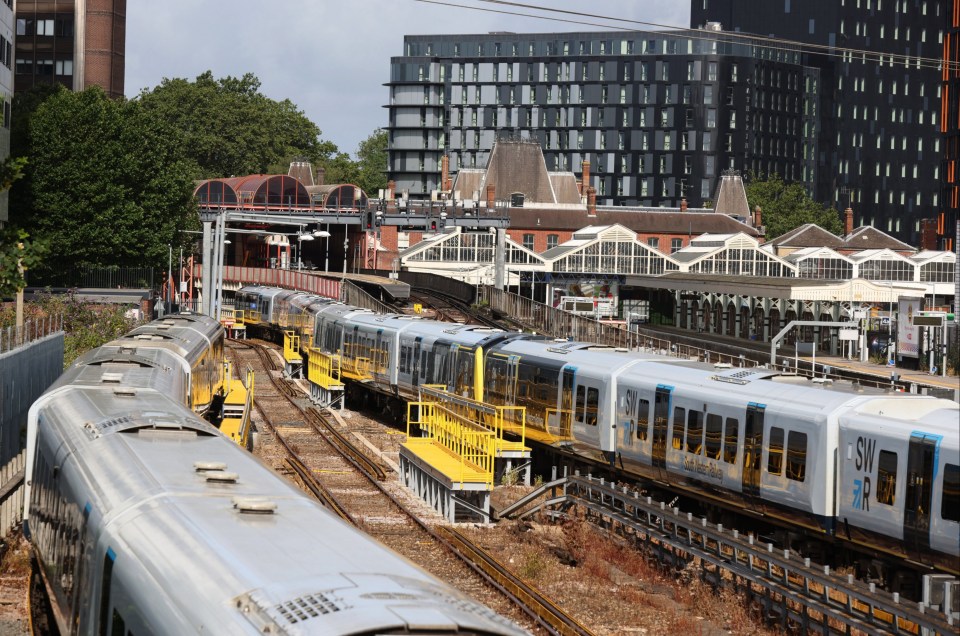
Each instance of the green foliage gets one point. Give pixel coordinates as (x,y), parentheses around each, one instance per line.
(369,171)
(372,162)
(25,105)
(231,129)
(17,255)
(110,182)
(787,206)
(86,325)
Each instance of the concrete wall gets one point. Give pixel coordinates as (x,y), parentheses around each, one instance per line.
(25,373)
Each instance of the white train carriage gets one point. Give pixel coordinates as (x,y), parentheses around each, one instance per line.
(899,476)
(147,521)
(431,352)
(257,303)
(195,342)
(762,444)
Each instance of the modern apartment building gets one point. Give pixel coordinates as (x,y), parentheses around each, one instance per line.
(880,146)
(659,115)
(77,43)
(950,126)
(6,90)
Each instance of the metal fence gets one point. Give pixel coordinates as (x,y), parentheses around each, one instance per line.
(32,330)
(11,493)
(98,277)
(354,295)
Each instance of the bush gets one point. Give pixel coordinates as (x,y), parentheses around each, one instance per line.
(87,325)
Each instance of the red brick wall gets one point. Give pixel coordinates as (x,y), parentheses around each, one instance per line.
(106,38)
(540,238)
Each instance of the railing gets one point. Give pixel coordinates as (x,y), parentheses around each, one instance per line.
(13,337)
(351,294)
(100,277)
(11,493)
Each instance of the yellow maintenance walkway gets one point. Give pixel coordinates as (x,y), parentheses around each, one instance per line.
(453,463)
(237,403)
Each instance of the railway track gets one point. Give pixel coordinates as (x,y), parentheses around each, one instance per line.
(353,485)
(449,309)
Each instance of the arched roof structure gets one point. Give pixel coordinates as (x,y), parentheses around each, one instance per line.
(216,192)
(272,190)
(338,195)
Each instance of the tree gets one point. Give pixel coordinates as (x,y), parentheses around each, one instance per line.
(372,162)
(787,206)
(111,184)
(25,104)
(17,255)
(231,129)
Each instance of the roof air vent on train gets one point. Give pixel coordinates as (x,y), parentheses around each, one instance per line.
(111,378)
(254,505)
(202,467)
(222,477)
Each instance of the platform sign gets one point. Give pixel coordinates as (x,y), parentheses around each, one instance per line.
(849,334)
(908,333)
(929,319)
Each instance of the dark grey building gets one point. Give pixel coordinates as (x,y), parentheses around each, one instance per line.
(659,115)
(880,139)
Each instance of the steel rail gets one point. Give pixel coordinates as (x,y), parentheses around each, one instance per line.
(789,587)
(562,622)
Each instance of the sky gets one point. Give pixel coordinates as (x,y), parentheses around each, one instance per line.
(332,58)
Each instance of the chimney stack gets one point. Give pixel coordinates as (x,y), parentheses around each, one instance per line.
(848,221)
(683,204)
(585,179)
(591,201)
(321,175)
(391,189)
(757,217)
(491,196)
(445,173)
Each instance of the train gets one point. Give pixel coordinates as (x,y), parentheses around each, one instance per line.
(875,469)
(146,519)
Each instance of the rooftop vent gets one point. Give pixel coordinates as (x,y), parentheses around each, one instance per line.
(202,467)
(254,505)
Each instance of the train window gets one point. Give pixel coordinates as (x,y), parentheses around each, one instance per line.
(643,419)
(775,456)
(714,440)
(730,441)
(694,432)
(949,510)
(105,585)
(581,403)
(593,401)
(887,478)
(118,626)
(796,456)
(679,417)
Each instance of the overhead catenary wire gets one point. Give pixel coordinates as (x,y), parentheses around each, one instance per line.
(580,18)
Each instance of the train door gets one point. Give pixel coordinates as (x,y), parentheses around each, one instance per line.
(661,416)
(415,367)
(921,460)
(752,448)
(566,402)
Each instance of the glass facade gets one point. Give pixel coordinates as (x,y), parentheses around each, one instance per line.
(659,116)
(880,134)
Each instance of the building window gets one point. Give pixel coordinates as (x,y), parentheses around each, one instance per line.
(676,245)
(528,241)
(552,240)
(653,242)
(711,71)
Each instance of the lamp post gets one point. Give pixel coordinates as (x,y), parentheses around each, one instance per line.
(890,339)
(325,235)
(301,237)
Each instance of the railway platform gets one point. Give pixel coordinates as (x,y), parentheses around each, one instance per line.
(462,446)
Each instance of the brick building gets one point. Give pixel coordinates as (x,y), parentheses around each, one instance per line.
(76,43)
